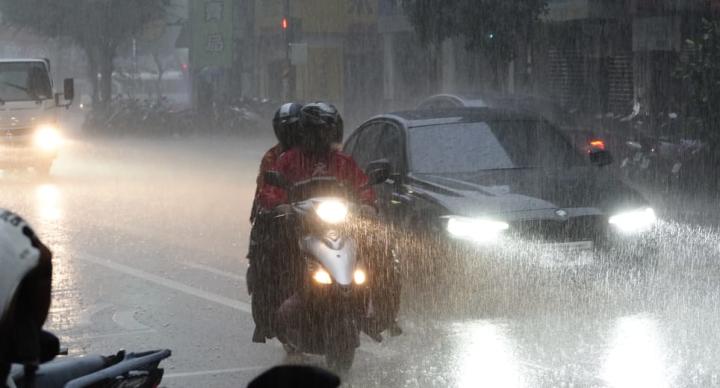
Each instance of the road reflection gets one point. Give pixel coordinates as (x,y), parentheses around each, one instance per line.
(486,356)
(636,355)
(50,223)
(47,203)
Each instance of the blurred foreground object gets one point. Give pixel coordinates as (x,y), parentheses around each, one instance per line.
(295,376)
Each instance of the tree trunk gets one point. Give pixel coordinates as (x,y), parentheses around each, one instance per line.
(161,72)
(93,77)
(106,67)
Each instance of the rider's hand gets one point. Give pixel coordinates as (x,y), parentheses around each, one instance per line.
(367,211)
(283,209)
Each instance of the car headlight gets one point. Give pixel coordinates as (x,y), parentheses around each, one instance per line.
(321,276)
(332,211)
(47,138)
(634,220)
(478,230)
(359,276)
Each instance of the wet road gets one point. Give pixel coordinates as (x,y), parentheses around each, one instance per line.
(149,239)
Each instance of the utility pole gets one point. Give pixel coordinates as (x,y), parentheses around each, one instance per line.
(286,41)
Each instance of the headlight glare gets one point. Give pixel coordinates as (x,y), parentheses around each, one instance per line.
(634,220)
(322,277)
(479,230)
(359,276)
(332,211)
(47,138)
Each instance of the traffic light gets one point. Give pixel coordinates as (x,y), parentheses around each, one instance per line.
(291,28)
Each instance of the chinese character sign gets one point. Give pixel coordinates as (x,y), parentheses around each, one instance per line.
(360,7)
(214,11)
(215,43)
(212,33)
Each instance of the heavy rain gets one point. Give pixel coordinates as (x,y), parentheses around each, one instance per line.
(465,193)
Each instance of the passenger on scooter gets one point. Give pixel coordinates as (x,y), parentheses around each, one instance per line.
(315,156)
(285,124)
(25,284)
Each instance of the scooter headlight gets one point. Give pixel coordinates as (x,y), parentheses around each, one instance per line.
(322,277)
(359,276)
(47,138)
(332,211)
(634,221)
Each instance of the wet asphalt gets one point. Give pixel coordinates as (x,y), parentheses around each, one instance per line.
(149,238)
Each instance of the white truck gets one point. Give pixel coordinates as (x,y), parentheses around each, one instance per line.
(30,136)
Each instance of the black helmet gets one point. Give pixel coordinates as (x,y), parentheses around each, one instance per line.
(321,126)
(286,123)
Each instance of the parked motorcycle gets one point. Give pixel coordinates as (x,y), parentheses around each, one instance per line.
(121,370)
(335,282)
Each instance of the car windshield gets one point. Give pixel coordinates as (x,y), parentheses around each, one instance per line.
(496,145)
(23,81)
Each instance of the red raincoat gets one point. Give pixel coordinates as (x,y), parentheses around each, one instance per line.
(296,165)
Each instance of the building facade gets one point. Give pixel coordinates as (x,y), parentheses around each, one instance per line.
(592,57)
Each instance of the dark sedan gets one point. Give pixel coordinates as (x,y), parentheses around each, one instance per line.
(483,176)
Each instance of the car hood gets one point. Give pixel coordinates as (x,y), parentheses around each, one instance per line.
(530,193)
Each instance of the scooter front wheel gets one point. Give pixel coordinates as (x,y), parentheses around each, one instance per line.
(340,359)
(340,353)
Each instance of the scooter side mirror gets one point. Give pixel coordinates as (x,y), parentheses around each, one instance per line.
(274,178)
(378,171)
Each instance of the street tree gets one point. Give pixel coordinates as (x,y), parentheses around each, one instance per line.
(700,73)
(99,27)
(497,28)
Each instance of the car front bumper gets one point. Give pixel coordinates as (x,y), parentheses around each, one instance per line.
(21,152)
(603,249)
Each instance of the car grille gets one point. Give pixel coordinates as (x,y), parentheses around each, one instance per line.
(16,132)
(573,229)
(16,137)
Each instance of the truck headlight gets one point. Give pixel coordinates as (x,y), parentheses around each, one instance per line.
(478,230)
(634,221)
(332,211)
(47,138)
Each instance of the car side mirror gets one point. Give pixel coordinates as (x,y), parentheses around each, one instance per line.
(69,89)
(378,171)
(274,178)
(600,157)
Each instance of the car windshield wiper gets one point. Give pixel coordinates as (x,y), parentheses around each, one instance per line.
(510,168)
(14,86)
(479,171)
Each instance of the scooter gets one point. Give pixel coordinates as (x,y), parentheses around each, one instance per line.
(334,291)
(121,370)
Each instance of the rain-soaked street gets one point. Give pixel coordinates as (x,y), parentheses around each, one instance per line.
(150,236)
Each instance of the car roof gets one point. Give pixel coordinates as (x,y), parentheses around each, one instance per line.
(421,118)
(467,101)
(22,60)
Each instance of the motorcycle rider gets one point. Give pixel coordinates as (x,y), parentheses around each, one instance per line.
(321,128)
(25,284)
(285,125)
(316,155)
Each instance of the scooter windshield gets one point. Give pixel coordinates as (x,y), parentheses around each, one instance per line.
(318,187)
